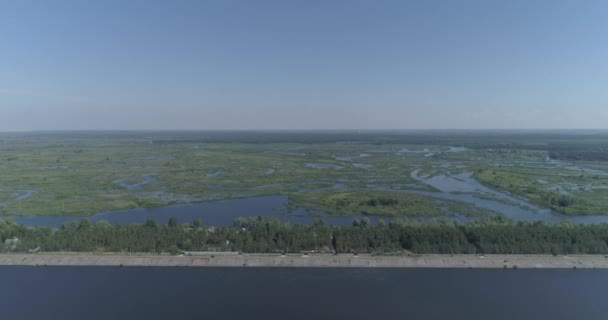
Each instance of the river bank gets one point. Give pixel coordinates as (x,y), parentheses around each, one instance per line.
(312,261)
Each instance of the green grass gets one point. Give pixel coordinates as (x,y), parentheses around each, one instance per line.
(381,203)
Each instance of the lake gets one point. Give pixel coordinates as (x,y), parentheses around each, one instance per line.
(265,293)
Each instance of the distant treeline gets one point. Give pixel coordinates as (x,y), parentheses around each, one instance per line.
(566,145)
(511,140)
(259,235)
(586,155)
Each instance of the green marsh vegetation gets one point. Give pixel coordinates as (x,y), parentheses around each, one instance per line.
(82,176)
(82,173)
(382,203)
(567,191)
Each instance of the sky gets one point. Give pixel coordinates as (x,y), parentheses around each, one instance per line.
(224,64)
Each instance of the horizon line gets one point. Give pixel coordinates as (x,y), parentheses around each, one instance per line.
(300,130)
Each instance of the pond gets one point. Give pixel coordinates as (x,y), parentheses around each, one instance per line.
(147,178)
(363,166)
(215,174)
(343,158)
(26,195)
(216,213)
(323,166)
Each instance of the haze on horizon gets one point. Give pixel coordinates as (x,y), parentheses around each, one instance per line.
(145,65)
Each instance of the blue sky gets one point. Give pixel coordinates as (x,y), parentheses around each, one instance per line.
(303,64)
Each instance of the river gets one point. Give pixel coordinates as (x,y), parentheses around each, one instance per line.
(149,293)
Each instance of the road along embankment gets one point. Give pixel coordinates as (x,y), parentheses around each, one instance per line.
(312,261)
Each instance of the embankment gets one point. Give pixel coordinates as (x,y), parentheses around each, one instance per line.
(313,261)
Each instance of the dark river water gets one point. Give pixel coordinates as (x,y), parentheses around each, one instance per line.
(225,293)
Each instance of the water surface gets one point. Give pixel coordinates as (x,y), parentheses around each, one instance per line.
(215,213)
(323,166)
(458,187)
(464,187)
(147,178)
(265,294)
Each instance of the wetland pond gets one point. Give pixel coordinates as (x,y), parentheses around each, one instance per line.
(216,213)
(464,187)
(147,178)
(457,187)
(323,166)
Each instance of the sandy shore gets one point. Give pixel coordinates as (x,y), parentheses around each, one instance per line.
(339,261)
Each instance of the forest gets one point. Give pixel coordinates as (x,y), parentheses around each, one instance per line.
(495,235)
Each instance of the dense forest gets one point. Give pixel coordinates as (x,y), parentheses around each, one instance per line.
(260,235)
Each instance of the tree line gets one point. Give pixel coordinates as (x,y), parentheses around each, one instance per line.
(497,235)
(585,155)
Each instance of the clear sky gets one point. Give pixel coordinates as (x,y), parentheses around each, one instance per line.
(223,64)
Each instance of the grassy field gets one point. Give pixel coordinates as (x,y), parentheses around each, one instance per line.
(86,173)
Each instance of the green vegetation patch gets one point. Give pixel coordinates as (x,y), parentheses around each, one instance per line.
(565,191)
(380,203)
(259,235)
(82,174)
(76,176)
